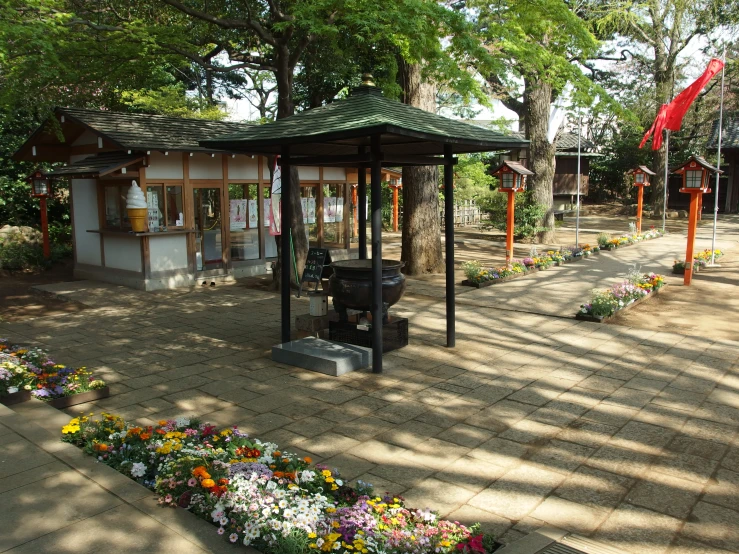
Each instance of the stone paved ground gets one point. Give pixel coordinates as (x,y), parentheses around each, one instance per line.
(625,435)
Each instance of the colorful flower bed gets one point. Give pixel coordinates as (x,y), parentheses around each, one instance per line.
(478,275)
(700,261)
(607,243)
(606,302)
(255,494)
(31,369)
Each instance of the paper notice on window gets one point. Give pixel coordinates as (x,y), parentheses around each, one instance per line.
(267,211)
(253,214)
(329,209)
(304,206)
(339,210)
(311,210)
(237,214)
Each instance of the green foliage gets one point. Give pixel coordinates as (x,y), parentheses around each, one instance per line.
(17,254)
(471,269)
(603,239)
(471,178)
(527,213)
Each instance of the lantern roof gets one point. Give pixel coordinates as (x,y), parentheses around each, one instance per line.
(697,160)
(97,165)
(341,127)
(642,168)
(516,167)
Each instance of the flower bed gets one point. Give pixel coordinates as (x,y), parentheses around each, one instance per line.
(607,243)
(256,494)
(700,261)
(26,372)
(477,276)
(604,304)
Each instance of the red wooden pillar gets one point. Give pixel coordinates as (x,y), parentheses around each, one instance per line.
(639,206)
(700,207)
(510,222)
(695,200)
(45,228)
(395,208)
(355,206)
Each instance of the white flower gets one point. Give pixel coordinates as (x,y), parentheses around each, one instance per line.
(307,475)
(138,469)
(182,421)
(339,482)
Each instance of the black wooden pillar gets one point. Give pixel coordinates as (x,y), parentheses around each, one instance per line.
(376,201)
(362,207)
(285,250)
(449,240)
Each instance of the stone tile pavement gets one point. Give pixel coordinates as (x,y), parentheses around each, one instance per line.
(624,435)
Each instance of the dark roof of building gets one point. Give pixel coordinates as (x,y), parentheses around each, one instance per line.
(340,127)
(567,145)
(516,167)
(134,131)
(97,165)
(643,168)
(729,133)
(700,161)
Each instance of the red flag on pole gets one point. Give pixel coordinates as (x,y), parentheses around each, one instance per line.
(671,115)
(656,128)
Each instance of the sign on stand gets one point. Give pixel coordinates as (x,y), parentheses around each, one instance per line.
(313,267)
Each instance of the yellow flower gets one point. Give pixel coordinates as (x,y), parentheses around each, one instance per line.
(312,535)
(326,473)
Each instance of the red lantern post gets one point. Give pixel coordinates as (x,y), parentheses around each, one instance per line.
(511,175)
(641,179)
(41,189)
(696,172)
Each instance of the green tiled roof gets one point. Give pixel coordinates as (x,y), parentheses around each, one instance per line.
(730,138)
(152,132)
(340,127)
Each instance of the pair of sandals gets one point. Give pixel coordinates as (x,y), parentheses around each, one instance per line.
(205,284)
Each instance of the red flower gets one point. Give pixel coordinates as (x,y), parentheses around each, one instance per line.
(473,544)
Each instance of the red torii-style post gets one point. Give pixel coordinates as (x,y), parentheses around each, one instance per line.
(641,179)
(396,211)
(512,177)
(696,172)
(41,189)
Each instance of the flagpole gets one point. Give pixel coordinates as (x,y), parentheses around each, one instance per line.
(579,178)
(718,164)
(667,171)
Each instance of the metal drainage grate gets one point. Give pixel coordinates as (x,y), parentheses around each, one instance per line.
(574,544)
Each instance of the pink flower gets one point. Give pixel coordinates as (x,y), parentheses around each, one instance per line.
(221,530)
(168,499)
(192,482)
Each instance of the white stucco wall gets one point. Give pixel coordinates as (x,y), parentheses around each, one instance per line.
(334,173)
(85,218)
(164,167)
(203,166)
(308,173)
(243,167)
(167,252)
(123,252)
(265,169)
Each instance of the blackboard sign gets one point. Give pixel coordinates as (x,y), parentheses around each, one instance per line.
(313,266)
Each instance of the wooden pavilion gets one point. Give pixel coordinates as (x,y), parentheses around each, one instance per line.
(367,130)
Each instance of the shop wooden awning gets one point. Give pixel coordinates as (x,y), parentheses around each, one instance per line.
(98,165)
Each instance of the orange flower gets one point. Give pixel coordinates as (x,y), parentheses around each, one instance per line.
(279,474)
(308,460)
(223,481)
(161,432)
(201,472)
(285,460)
(144,436)
(162,422)
(277,453)
(208,483)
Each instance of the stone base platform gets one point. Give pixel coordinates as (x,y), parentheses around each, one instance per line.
(324,356)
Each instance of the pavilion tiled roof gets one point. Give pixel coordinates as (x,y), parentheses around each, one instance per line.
(339,127)
(133,131)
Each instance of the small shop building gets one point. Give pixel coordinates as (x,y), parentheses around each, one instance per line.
(208,209)
(728,199)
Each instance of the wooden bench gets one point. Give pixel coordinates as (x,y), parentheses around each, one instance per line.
(559,215)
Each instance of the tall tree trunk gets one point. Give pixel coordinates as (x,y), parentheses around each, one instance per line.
(538,99)
(286,108)
(663,91)
(421,239)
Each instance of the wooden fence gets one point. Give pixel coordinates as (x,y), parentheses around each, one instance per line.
(466,213)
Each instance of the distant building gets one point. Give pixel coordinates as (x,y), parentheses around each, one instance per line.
(729,187)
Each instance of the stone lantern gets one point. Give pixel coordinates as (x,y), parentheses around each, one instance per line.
(512,176)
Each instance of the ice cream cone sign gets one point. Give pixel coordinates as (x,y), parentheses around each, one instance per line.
(136,208)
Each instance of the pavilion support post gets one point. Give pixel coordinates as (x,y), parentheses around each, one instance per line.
(362,207)
(376,197)
(451,333)
(285,250)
